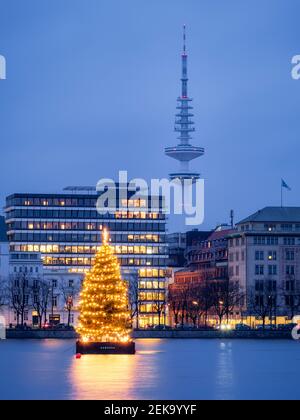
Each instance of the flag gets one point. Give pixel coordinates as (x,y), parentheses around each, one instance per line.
(285,185)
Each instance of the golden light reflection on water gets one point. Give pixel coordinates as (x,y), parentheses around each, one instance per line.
(224,372)
(114,377)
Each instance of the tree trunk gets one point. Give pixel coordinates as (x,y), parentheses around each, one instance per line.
(137,316)
(182,319)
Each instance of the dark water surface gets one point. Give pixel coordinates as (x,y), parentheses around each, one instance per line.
(161,369)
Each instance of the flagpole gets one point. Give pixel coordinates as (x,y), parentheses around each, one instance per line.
(281,195)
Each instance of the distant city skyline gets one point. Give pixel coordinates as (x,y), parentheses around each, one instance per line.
(91,90)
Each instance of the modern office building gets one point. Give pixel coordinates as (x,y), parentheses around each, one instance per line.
(264,258)
(66,230)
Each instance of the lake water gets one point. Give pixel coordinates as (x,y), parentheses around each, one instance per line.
(161,369)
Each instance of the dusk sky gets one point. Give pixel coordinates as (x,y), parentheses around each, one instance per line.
(92,85)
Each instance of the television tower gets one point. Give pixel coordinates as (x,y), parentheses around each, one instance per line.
(184,152)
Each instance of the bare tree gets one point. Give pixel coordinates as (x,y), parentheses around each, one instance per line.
(226,297)
(291,295)
(206,302)
(174,304)
(262,300)
(188,303)
(19,295)
(69,293)
(183,296)
(3,293)
(159,306)
(195,308)
(219,306)
(205,296)
(234,298)
(134,298)
(40,296)
(194,312)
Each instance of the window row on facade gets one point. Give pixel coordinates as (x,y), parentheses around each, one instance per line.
(81,201)
(86,227)
(86,249)
(266,240)
(58,237)
(148,308)
(78,202)
(143,285)
(237,256)
(263,286)
(261,270)
(203,256)
(275,240)
(151,285)
(88,261)
(273,227)
(262,255)
(113,227)
(285,227)
(234,271)
(74,249)
(80,214)
(272,255)
(26,269)
(150,296)
(236,242)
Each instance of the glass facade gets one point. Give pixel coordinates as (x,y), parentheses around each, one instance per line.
(66,230)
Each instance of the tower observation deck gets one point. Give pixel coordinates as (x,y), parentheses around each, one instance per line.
(184,152)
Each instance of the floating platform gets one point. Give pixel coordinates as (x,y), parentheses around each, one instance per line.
(105,348)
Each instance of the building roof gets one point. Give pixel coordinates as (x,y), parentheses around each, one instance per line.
(220,234)
(3,230)
(275,214)
(195,237)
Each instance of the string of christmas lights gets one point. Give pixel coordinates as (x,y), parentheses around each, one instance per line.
(104,315)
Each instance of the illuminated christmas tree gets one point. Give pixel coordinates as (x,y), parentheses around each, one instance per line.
(104,314)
